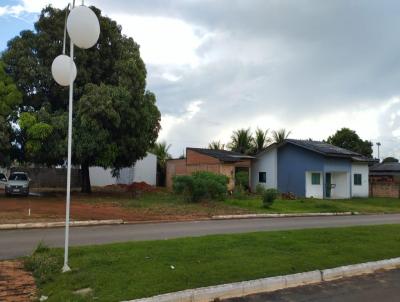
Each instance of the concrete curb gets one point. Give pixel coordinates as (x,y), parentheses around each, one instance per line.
(36,225)
(278,215)
(240,289)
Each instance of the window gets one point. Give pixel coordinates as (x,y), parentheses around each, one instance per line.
(357,179)
(262,177)
(315,178)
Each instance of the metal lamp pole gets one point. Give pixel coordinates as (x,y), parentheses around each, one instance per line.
(84,30)
(66,268)
(379,145)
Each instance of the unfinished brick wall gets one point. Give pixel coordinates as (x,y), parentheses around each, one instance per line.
(384,186)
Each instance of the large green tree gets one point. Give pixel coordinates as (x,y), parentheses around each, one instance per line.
(349,139)
(10,98)
(115,119)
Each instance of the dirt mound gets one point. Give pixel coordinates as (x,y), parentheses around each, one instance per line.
(133,187)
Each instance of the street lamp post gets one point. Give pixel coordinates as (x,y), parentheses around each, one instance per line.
(379,145)
(84,30)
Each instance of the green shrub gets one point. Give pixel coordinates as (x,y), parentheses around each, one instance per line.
(239,192)
(269,197)
(43,264)
(242,179)
(201,185)
(260,189)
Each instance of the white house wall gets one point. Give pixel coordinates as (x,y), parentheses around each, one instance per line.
(100,177)
(144,170)
(342,188)
(315,191)
(363,190)
(266,162)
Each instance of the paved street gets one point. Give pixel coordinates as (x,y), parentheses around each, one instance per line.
(16,243)
(383,287)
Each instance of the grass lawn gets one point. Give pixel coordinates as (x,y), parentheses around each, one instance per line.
(307,205)
(131,270)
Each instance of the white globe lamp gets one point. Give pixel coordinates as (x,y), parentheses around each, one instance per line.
(61,70)
(83,27)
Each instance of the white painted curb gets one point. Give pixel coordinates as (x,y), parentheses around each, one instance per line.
(240,289)
(35,225)
(277,215)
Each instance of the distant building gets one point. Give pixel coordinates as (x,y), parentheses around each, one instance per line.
(309,168)
(218,161)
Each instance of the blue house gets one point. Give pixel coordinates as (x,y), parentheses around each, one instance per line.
(311,169)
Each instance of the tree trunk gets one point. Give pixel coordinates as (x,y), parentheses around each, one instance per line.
(86,187)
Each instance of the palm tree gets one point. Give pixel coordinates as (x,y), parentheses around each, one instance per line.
(242,141)
(216,145)
(280,135)
(261,140)
(161,151)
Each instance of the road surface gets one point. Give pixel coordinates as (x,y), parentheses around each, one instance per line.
(16,243)
(383,287)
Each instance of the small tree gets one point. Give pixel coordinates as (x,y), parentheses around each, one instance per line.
(269,197)
(161,151)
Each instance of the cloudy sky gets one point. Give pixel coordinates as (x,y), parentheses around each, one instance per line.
(309,66)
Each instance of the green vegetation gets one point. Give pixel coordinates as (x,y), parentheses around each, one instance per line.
(269,197)
(242,179)
(116,120)
(309,205)
(131,270)
(201,185)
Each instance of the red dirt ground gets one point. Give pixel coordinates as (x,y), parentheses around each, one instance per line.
(101,204)
(16,284)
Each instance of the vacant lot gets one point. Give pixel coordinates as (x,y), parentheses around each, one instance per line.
(130,270)
(165,206)
(104,204)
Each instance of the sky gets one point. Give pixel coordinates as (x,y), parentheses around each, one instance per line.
(309,66)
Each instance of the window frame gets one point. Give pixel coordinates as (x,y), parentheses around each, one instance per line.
(312,178)
(265,177)
(355,177)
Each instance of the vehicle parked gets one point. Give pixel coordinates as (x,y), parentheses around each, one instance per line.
(17,184)
(3,180)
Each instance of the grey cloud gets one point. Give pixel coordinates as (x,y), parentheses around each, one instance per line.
(293,58)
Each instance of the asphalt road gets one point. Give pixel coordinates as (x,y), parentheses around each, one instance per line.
(16,243)
(383,287)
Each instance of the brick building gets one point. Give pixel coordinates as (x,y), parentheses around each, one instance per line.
(384,179)
(216,161)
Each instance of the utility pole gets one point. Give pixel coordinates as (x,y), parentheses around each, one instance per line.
(378,144)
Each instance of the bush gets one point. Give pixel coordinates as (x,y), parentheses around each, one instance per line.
(201,185)
(242,179)
(43,264)
(269,197)
(260,189)
(239,192)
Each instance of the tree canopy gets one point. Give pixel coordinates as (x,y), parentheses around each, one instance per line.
(10,98)
(390,160)
(115,119)
(349,139)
